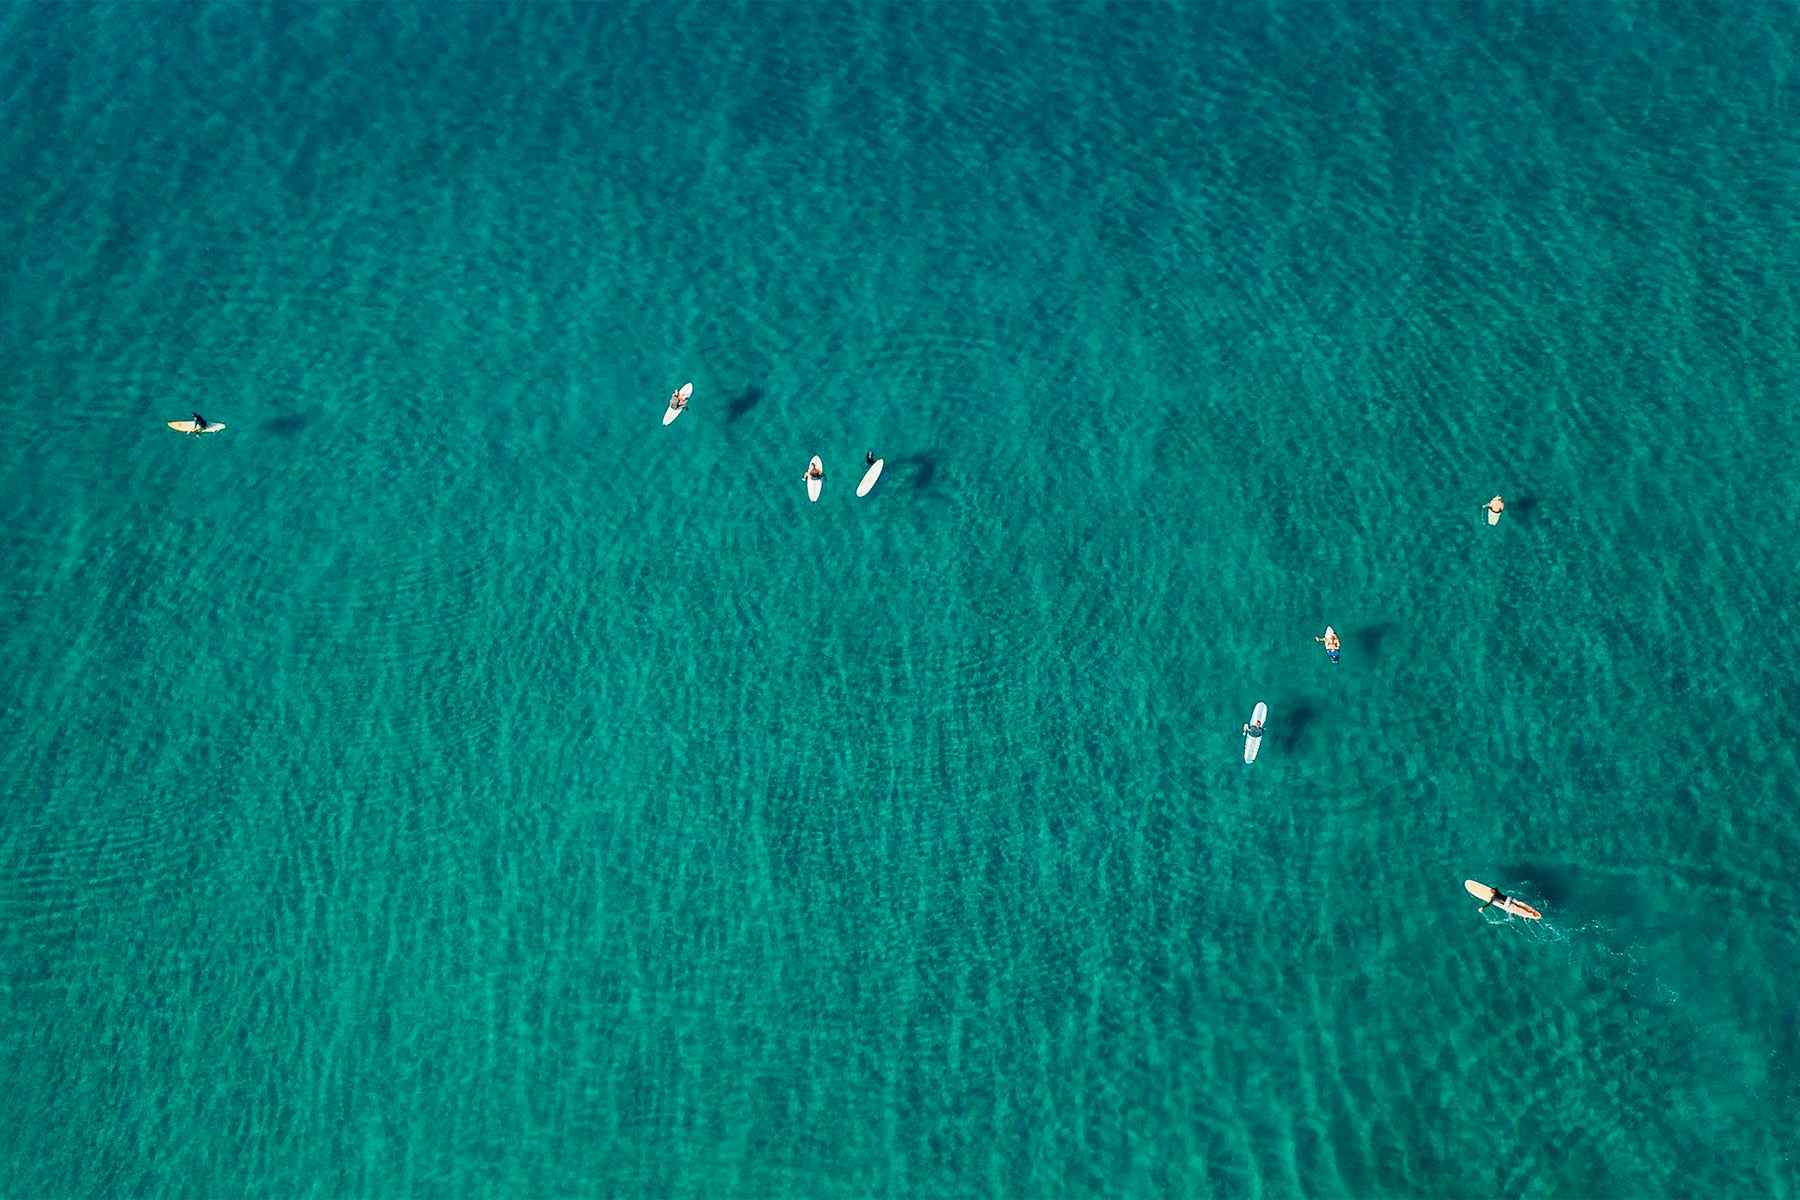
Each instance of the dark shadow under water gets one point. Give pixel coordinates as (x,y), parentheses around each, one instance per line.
(924,468)
(1295,722)
(1365,642)
(742,403)
(288,424)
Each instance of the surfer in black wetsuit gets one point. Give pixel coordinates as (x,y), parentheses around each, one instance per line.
(200,423)
(869,458)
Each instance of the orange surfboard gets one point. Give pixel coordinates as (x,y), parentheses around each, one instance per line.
(1486,894)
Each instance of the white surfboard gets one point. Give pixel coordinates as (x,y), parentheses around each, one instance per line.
(190,427)
(870,476)
(1253,742)
(675,410)
(814,484)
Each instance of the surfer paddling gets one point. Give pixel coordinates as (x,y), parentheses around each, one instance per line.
(1494,898)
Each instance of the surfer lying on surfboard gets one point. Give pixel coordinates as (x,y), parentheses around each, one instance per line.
(1495,898)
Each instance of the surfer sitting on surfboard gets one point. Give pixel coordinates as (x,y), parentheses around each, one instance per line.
(1332,642)
(200,423)
(1253,730)
(814,472)
(677,400)
(1495,507)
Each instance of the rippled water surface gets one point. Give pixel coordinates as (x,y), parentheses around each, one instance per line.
(448,781)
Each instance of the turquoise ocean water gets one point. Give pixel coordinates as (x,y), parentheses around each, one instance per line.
(448,781)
